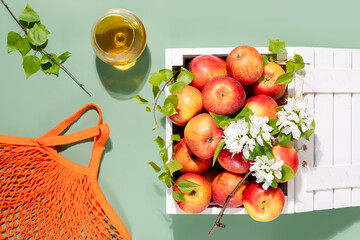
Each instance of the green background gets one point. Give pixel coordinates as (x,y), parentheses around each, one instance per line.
(32,107)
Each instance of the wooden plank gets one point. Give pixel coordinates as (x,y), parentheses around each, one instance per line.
(304,200)
(355,149)
(324,128)
(342,128)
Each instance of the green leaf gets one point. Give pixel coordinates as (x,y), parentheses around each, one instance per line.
(37,36)
(221,120)
(141,100)
(160,141)
(284,139)
(154,166)
(164,155)
(173,166)
(285,78)
(64,56)
(244,113)
(276,46)
(286,173)
(185,76)
(12,39)
(177,87)
(48,65)
(279,108)
(43,28)
(168,74)
(170,105)
(290,66)
(175,137)
(155,90)
(274,184)
(156,78)
(177,196)
(29,15)
(23,46)
(31,65)
(218,150)
(185,185)
(148,109)
(299,62)
(155,127)
(165,177)
(265,59)
(158,107)
(272,123)
(309,132)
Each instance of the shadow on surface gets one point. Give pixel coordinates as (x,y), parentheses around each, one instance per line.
(318,225)
(124,84)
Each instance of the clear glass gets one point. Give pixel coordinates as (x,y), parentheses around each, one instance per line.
(119,38)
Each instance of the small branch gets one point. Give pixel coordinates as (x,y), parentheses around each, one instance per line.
(217,222)
(45,52)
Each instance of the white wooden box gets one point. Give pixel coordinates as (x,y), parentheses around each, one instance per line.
(329,171)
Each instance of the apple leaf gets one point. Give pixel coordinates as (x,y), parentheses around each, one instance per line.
(285,78)
(31,65)
(164,155)
(299,62)
(272,123)
(185,185)
(218,150)
(155,90)
(168,74)
(156,78)
(177,87)
(274,184)
(309,132)
(286,173)
(23,46)
(12,39)
(175,137)
(284,139)
(178,196)
(276,46)
(170,105)
(221,120)
(185,76)
(265,59)
(141,100)
(148,109)
(158,107)
(173,166)
(290,66)
(244,113)
(165,177)
(160,141)
(279,108)
(29,15)
(64,56)
(155,167)
(37,36)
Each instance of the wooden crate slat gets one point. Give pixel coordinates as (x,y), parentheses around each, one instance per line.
(342,128)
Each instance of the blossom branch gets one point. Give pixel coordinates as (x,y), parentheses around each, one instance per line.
(217,222)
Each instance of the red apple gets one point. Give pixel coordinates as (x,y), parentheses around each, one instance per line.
(210,174)
(245,64)
(190,162)
(266,84)
(234,164)
(263,205)
(262,106)
(206,67)
(189,104)
(198,199)
(202,135)
(223,95)
(288,154)
(224,184)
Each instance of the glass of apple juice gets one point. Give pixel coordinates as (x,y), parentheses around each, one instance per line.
(119,38)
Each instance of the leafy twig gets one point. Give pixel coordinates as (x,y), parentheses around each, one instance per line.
(42,50)
(217,222)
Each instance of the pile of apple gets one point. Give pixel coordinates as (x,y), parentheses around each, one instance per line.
(224,88)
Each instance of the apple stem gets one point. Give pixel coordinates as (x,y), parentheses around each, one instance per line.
(217,222)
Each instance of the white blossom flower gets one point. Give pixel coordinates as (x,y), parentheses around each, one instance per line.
(241,136)
(294,118)
(265,170)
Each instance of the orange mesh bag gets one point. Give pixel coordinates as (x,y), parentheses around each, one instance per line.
(44,195)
